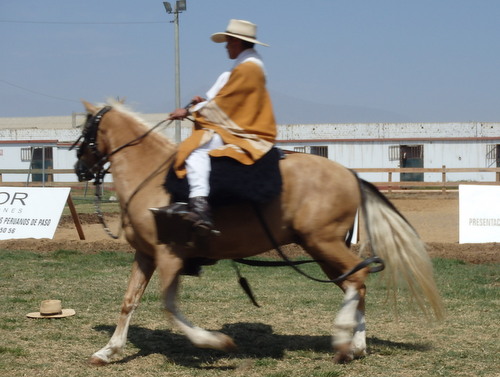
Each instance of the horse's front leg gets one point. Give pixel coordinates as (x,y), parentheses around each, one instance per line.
(142,270)
(201,338)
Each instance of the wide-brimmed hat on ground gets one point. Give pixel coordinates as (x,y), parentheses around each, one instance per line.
(240,29)
(51,309)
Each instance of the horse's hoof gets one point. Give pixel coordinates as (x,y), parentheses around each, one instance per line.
(343,354)
(359,354)
(342,358)
(97,361)
(231,346)
(225,343)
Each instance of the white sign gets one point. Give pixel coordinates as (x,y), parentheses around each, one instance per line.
(479,214)
(28,212)
(355,229)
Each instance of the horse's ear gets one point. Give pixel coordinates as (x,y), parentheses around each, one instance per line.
(89,107)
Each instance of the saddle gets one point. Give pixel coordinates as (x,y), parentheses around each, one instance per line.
(230,183)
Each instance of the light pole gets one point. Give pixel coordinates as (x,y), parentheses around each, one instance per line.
(180,6)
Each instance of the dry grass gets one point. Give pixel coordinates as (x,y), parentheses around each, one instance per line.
(287,336)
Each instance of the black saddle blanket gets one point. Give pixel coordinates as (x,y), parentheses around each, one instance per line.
(232,182)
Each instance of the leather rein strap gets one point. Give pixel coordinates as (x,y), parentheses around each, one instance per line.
(288,262)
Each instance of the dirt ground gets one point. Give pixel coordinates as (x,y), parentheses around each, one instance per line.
(434,215)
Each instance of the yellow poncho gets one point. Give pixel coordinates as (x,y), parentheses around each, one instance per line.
(241,113)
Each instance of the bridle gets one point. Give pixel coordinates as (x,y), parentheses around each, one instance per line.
(89,136)
(97,172)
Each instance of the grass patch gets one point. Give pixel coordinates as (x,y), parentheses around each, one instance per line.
(84,200)
(17,351)
(288,336)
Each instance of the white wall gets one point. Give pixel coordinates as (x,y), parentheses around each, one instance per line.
(375,154)
(380,131)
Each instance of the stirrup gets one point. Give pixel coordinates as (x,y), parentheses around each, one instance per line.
(174,226)
(171,226)
(202,228)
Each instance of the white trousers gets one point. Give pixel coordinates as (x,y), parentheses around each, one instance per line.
(198,167)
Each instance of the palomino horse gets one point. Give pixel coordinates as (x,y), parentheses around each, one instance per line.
(316,209)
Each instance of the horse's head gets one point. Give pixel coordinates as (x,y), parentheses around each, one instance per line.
(90,157)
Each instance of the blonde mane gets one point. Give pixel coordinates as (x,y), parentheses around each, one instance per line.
(122,108)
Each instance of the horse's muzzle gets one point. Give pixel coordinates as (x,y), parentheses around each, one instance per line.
(83,172)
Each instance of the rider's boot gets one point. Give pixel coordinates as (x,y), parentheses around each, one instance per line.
(201,215)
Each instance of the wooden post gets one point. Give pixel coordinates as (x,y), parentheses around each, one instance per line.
(76,219)
(443,179)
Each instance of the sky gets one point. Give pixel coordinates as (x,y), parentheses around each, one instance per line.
(329,61)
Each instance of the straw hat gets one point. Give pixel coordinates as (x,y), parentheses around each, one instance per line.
(240,29)
(51,309)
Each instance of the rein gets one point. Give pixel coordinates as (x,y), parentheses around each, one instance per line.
(89,135)
(288,262)
(97,205)
(100,179)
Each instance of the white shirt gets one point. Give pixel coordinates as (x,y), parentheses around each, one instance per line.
(248,55)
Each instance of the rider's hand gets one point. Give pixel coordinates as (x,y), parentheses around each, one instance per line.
(197,99)
(178,114)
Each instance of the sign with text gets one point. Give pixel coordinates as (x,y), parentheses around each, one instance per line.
(28,212)
(479,214)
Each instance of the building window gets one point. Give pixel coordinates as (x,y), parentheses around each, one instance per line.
(493,155)
(411,152)
(320,151)
(317,150)
(411,156)
(394,154)
(26,154)
(42,159)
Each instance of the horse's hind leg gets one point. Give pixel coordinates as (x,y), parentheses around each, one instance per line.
(349,337)
(142,270)
(359,338)
(169,276)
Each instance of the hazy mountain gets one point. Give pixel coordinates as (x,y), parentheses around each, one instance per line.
(290,110)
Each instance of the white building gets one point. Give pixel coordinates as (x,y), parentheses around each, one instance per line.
(40,142)
(393,145)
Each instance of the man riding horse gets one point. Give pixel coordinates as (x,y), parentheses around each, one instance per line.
(236,120)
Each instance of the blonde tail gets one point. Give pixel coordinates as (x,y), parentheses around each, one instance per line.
(393,239)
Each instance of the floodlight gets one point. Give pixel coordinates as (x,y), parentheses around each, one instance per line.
(180,5)
(167,6)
